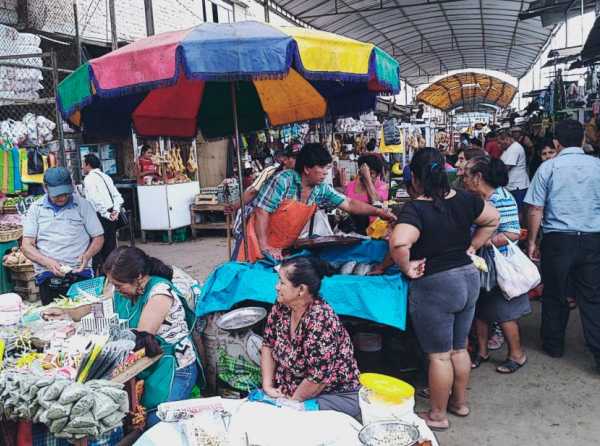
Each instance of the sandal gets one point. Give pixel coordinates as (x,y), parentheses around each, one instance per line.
(478,360)
(428,421)
(456,411)
(510,366)
(571,303)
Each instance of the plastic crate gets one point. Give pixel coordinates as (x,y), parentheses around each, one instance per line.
(94,287)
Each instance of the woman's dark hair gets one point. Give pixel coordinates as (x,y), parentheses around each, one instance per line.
(371,145)
(145,148)
(473,153)
(307,271)
(373,161)
(311,155)
(493,171)
(428,166)
(92,160)
(127,263)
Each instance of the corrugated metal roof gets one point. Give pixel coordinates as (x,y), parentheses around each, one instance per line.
(468,90)
(432,37)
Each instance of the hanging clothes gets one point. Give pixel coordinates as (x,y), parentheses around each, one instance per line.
(25,177)
(17,170)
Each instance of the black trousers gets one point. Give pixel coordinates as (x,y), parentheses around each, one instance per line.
(54,287)
(110,242)
(570,259)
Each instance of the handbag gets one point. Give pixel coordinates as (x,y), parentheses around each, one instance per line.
(122,220)
(489,277)
(516,273)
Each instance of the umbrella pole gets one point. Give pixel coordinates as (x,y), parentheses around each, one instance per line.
(238,151)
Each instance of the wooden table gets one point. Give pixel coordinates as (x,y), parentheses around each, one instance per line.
(227,225)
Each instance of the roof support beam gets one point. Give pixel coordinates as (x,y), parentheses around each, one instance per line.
(379,8)
(483,34)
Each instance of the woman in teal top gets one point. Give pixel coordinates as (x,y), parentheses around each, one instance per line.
(145,296)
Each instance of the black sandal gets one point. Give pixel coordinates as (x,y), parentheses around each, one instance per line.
(510,366)
(478,360)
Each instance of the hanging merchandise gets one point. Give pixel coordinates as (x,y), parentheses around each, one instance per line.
(26,177)
(391,140)
(35,161)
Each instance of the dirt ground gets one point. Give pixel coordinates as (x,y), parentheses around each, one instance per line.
(550,402)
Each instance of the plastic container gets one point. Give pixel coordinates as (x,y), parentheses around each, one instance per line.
(383,397)
(373,408)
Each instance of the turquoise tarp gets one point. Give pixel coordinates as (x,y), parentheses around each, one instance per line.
(380,299)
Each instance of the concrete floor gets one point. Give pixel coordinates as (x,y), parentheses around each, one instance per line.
(550,402)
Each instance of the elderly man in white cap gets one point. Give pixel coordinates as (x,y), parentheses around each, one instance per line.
(61,234)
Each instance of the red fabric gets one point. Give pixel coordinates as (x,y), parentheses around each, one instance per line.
(146,165)
(170,111)
(148,60)
(24,433)
(493,149)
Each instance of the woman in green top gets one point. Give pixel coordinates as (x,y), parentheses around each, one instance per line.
(145,296)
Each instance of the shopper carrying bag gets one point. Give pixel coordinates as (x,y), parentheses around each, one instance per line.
(515,273)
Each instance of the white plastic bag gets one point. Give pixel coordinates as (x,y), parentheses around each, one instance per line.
(515,273)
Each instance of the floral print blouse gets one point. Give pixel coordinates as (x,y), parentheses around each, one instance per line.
(320,350)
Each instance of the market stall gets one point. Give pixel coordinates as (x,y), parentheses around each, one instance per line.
(68,379)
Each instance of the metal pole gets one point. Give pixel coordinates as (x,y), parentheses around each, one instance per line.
(582,34)
(238,151)
(77,35)
(150,16)
(113,25)
(59,121)
(267,12)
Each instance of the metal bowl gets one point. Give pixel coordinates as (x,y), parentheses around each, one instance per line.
(241,318)
(389,433)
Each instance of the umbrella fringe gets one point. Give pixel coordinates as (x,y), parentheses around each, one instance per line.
(67,112)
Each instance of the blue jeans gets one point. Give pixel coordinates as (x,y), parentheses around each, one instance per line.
(181,389)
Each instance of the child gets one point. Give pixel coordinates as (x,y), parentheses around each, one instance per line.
(547,153)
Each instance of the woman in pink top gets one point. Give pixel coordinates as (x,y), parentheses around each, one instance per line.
(368,187)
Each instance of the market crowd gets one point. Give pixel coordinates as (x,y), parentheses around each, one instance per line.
(510,190)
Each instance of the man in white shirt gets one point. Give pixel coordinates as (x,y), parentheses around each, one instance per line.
(100,190)
(514,157)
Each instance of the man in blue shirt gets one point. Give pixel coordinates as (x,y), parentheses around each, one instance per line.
(564,200)
(61,234)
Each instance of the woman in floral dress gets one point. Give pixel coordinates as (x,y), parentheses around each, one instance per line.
(307,353)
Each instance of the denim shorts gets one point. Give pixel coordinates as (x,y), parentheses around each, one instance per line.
(442,306)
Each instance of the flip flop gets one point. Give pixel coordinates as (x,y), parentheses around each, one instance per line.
(425,416)
(478,360)
(455,411)
(510,366)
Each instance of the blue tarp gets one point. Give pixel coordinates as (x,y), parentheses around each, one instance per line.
(381,299)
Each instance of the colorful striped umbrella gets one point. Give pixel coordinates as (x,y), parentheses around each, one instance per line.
(175,83)
(223,79)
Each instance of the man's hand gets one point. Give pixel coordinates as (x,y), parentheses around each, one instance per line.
(83,263)
(275,253)
(387,215)
(377,270)
(231,208)
(114,215)
(533,251)
(54,267)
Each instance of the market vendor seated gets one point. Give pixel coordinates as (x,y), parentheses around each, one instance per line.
(307,353)
(146,297)
(287,203)
(146,166)
(61,235)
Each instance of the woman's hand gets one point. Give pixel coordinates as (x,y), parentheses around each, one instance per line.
(416,269)
(273,392)
(54,314)
(365,172)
